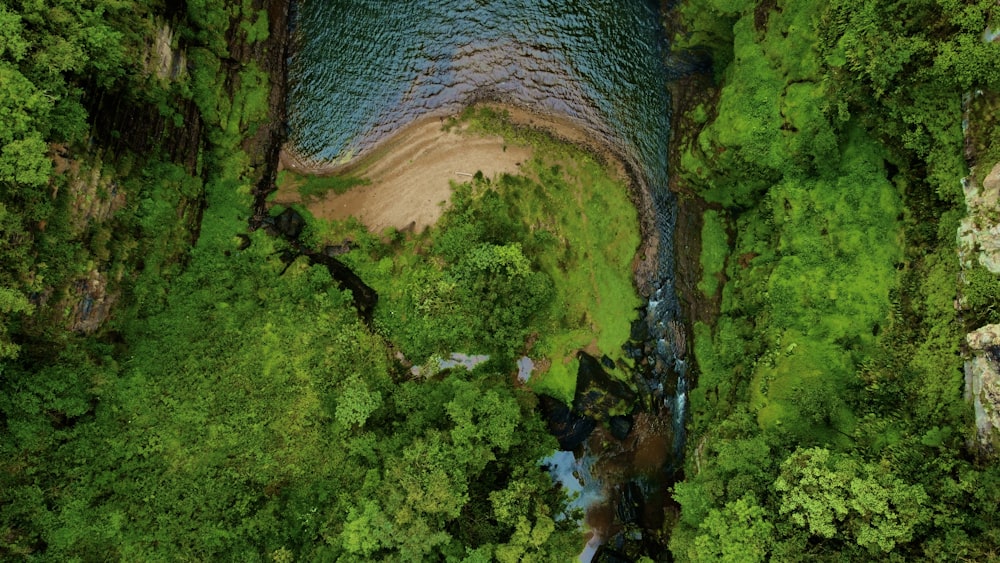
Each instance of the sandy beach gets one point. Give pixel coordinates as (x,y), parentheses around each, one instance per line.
(410,172)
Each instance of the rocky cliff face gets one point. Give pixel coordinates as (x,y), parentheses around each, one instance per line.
(982,383)
(264,146)
(979,245)
(127,129)
(979,233)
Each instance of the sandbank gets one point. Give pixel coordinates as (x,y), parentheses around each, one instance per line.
(410,172)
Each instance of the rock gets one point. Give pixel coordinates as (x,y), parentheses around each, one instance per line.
(639,331)
(607,362)
(979,231)
(91,303)
(570,428)
(161,58)
(631,504)
(335,250)
(982,384)
(598,395)
(620,426)
(609,555)
(289,224)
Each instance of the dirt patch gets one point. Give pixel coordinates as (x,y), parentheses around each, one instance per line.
(410,173)
(411,176)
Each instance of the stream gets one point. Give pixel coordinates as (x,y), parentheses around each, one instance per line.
(363,69)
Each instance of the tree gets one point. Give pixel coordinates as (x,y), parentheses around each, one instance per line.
(740,532)
(833,495)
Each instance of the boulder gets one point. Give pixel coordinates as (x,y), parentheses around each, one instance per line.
(570,428)
(982,384)
(630,504)
(620,426)
(289,224)
(598,395)
(607,362)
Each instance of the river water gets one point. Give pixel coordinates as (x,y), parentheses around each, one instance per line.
(363,69)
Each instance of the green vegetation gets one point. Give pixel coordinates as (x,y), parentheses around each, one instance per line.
(827,423)
(535,264)
(162,398)
(314,187)
(231,408)
(714,248)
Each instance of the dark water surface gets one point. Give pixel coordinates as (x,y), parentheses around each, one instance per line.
(363,69)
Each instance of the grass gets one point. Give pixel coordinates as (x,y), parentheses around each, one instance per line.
(714,249)
(312,187)
(587,208)
(579,227)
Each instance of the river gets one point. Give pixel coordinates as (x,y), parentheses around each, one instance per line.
(363,69)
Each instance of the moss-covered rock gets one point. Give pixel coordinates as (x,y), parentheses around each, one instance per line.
(982,384)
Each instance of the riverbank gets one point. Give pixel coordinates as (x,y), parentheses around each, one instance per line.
(405,181)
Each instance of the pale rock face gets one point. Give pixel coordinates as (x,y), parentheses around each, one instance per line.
(982,383)
(163,59)
(979,233)
(979,240)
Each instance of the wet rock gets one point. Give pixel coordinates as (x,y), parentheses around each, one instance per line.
(335,250)
(91,303)
(162,59)
(620,426)
(631,503)
(598,395)
(570,428)
(607,362)
(982,384)
(640,330)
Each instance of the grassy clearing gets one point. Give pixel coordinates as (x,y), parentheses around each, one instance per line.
(571,198)
(311,187)
(714,248)
(568,217)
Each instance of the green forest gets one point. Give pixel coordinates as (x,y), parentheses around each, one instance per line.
(828,419)
(179,382)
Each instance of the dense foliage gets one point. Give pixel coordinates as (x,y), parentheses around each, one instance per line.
(534,264)
(233,406)
(230,408)
(828,419)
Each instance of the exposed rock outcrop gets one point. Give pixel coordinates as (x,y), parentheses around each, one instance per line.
(91,303)
(979,244)
(598,395)
(979,232)
(982,384)
(164,57)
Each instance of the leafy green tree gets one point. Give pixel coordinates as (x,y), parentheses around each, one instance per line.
(739,532)
(834,496)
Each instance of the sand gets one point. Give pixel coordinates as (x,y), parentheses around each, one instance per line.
(410,173)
